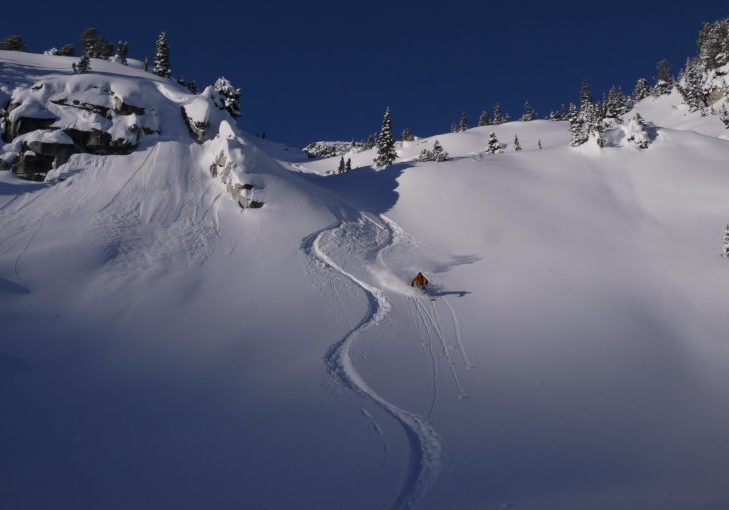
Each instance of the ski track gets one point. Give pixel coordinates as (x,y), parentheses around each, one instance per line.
(425,446)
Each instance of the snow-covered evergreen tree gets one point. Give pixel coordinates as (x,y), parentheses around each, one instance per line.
(493,145)
(162,57)
(529,112)
(454,127)
(724,116)
(714,44)
(348,165)
(572,113)
(84,65)
(230,96)
(585,95)
(463,122)
(371,141)
(725,248)
(437,153)
(95,46)
(498,115)
(579,128)
(690,85)
(385,142)
(517,145)
(122,51)
(484,119)
(637,132)
(407,135)
(642,89)
(616,103)
(342,166)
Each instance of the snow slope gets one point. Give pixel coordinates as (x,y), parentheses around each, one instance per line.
(163,347)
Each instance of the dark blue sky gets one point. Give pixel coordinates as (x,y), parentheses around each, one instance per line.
(326,70)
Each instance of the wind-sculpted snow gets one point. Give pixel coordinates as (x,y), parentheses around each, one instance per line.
(425,462)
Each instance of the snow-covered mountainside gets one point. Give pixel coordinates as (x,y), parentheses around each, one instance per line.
(167,342)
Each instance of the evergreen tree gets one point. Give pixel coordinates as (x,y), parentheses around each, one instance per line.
(664,78)
(637,132)
(13,43)
(407,135)
(342,166)
(162,57)
(463,122)
(517,145)
(348,165)
(146,64)
(724,116)
(642,90)
(95,46)
(585,95)
(229,96)
(371,141)
(498,114)
(578,129)
(437,154)
(385,142)
(493,146)
(122,51)
(67,50)
(83,65)
(615,105)
(572,113)
(714,44)
(454,127)
(529,112)
(725,248)
(484,119)
(690,85)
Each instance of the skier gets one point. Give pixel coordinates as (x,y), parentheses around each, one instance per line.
(420,281)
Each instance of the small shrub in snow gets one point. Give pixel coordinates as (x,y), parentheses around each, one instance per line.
(517,145)
(83,65)
(539,144)
(385,142)
(725,248)
(493,146)
(637,132)
(437,154)
(407,135)
(230,96)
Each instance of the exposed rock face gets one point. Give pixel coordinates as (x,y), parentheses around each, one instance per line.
(198,129)
(37,156)
(241,192)
(23,125)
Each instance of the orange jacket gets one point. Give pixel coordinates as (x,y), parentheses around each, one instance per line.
(419,281)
